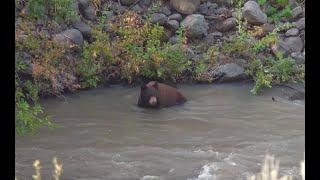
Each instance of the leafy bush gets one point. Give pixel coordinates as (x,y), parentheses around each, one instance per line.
(60,10)
(141,50)
(28,112)
(95,59)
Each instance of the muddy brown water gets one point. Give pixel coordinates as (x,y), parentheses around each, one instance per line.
(222,132)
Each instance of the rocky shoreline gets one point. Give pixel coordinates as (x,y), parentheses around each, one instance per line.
(206,23)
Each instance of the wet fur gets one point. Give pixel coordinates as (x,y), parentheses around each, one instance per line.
(166,95)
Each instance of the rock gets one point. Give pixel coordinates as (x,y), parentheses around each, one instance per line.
(127,2)
(297,12)
(174,40)
(71,35)
(159,18)
(145,3)
(208,8)
(84,29)
(211,38)
(137,9)
(83,4)
(281,47)
(298,57)
(228,24)
(185,6)
(302,36)
(89,13)
(252,13)
(223,2)
(173,24)
(164,10)
(295,44)
(175,16)
(117,9)
(300,24)
(228,72)
(293,3)
(292,32)
(224,12)
(267,28)
(195,26)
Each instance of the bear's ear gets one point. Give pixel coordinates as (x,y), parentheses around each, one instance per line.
(155,85)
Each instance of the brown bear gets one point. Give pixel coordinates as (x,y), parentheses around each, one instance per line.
(158,95)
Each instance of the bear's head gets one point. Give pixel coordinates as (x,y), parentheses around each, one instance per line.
(148,95)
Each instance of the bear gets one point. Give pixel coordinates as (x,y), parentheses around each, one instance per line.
(159,95)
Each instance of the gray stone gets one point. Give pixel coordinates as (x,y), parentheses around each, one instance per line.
(84,3)
(145,3)
(164,10)
(292,32)
(298,57)
(71,35)
(208,8)
(137,9)
(89,13)
(195,25)
(159,18)
(280,47)
(185,6)
(297,12)
(117,9)
(175,16)
(127,2)
(300,24)
(253,14)
(174,40)
(173,24)
(295,44)
(293,3)
(228,24)
(302,36)
(228,72)
(84,29)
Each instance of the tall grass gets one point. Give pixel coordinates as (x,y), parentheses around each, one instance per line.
(270,170)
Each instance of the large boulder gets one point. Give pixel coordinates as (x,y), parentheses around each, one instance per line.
(159,18)
(252,13)
(228,72)
(227,24)
(185,6)
(195,26)
(300,24)
(84,29)
(295,44)
(69,37)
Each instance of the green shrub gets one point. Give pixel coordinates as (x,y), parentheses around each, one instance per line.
(141,50)
(59,10)
(29,114)
(95,59)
